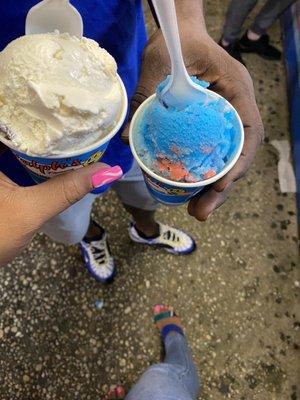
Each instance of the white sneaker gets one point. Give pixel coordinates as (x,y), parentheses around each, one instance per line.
(171,239)
(98,259)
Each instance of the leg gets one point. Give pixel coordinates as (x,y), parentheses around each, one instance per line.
(159,382)
(255,39)
(236,14)
(268,15)
(136,199)
(93,230)
(70,226)
(144,221)
(75,226)
(176,377)
(178,354)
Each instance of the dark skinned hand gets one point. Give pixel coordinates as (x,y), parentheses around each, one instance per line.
(207,61)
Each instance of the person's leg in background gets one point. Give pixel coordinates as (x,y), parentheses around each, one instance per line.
(256,39)
(269,14)
(236,15)
(176,378)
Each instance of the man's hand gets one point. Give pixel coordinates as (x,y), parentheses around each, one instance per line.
(209,62)
(23,211)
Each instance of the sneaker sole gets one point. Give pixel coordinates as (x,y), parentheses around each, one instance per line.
(183,253)
(105,281)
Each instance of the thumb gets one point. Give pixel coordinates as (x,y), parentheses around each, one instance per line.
(57,194)
(137,100)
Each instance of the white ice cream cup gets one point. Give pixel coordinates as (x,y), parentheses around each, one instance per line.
(43,168)
(176,193)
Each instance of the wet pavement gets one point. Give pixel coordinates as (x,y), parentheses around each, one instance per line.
(64,336)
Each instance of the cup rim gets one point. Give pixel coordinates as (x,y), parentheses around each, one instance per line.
(187,185)
(89,148)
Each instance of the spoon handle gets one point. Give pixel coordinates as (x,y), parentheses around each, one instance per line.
(166,13)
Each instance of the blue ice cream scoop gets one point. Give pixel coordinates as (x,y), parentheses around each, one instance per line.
(190,144)
(182,151)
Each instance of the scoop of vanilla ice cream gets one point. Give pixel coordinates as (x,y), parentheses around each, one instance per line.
(57,93)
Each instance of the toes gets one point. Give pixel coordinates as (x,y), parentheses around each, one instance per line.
(157,308)
(116,392)
(160,308)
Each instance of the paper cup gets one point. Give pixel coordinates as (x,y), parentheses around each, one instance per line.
(176,193)
(43,168)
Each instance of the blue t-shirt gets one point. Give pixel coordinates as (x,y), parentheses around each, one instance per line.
(118,26)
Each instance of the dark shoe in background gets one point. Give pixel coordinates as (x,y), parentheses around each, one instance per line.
(233,50)
(261,47)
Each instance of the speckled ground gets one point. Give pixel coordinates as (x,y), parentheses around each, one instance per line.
(237,294)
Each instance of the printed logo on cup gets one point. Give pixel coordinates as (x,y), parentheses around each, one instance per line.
(48,169)
(167,194)
(156,185)
(93,158)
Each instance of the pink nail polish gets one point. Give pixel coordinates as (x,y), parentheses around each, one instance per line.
(120,392)
(106,176)
(157,308)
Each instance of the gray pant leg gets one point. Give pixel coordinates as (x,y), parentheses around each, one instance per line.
(70,226)
(135,194)
(268,15)
(237,12)
(132,190)
(174,379)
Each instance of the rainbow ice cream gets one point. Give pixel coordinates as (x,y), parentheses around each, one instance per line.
(188,145)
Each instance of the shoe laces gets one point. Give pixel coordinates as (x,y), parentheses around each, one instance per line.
(98,250)
(98,254)
(170,235)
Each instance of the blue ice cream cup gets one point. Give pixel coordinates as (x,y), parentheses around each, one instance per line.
(177,193)
(43,168)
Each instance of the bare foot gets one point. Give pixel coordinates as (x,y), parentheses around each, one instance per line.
(164,315)
(115,392)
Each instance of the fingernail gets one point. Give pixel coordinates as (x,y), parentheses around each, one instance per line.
(106,176)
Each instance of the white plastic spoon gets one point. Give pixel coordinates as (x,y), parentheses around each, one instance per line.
(50,15)
(181,90)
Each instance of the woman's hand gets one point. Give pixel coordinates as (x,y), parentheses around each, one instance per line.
(208,61)
(23,211)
